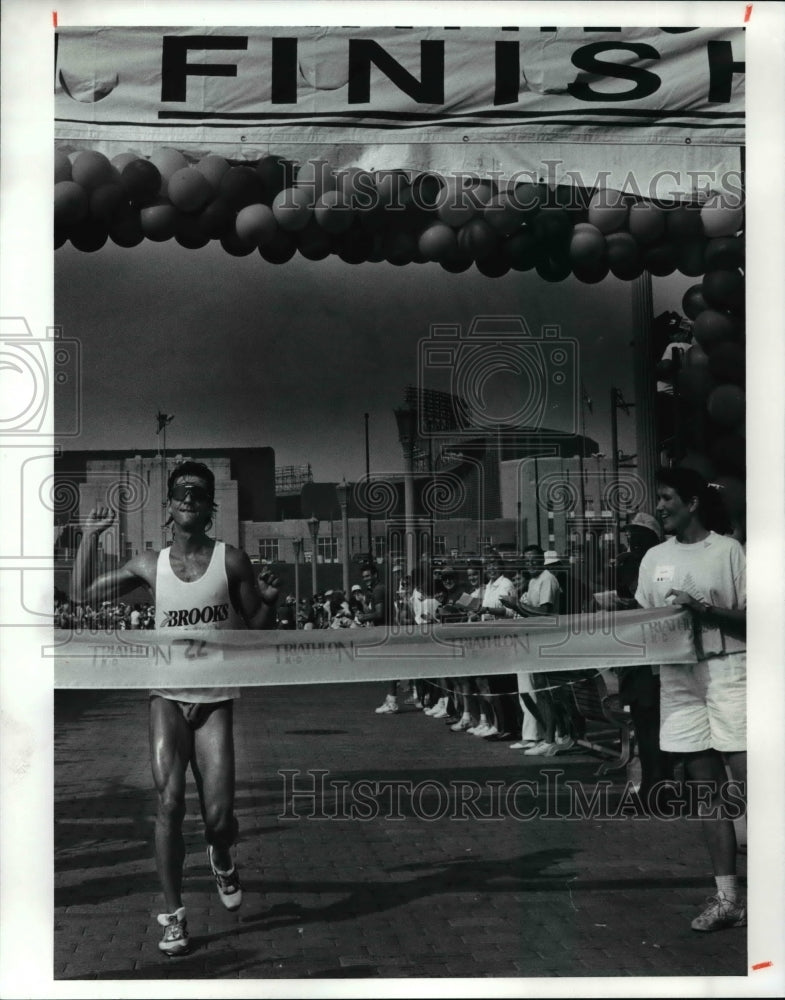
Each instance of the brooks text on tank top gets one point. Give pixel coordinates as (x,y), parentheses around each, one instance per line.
(198,604)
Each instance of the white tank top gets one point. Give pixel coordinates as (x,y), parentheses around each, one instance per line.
(198,604)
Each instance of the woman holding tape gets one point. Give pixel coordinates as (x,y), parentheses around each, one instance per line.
(703,705)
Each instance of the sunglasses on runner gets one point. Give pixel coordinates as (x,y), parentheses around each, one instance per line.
(198,493)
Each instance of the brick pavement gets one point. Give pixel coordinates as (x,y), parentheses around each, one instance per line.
(350,897)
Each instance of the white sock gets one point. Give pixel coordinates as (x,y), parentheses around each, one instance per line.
(727,887)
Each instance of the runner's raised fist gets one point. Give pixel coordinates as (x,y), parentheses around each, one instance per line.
(269,585)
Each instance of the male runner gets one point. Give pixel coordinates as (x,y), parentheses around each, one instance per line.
(197,582)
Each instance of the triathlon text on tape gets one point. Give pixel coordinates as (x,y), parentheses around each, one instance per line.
(210,658)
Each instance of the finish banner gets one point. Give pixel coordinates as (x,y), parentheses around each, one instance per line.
(209,658)
(377,95)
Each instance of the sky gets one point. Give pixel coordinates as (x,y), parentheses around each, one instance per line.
(247,353)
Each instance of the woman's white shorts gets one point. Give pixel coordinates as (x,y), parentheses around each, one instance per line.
(704,705)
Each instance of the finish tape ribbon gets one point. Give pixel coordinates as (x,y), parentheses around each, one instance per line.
(210,658)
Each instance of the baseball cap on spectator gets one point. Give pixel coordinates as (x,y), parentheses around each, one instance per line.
(356,586)
(550,557)
(643,520)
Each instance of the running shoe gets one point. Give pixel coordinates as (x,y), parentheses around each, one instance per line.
(720,913)
(542,749)
(175,940)
(228,883)
(390,706)
(438,707)
(564,743)
(461,726)
(523,745)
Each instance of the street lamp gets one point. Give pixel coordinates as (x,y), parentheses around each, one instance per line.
(342,492)
(313,527)
(599,455)
(618,402)
(406,418)
(298,553)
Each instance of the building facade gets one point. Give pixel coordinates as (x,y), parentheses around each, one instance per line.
(470,504)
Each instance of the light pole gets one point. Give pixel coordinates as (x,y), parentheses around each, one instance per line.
(644,386)
(406,418)
(313,527)
(368,483)
(163,420)
(601,540)
(298,552)
(599,455)
(342,490)
(617,403)
(536,502)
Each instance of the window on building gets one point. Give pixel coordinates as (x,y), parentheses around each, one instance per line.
(268,549)
(440,545)
(148,546)
(128,551)
(327,550)
(379,546)
(486,542)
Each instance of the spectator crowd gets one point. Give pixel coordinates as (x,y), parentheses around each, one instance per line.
(105,618)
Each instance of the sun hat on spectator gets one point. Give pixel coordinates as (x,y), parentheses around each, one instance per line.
(648,521)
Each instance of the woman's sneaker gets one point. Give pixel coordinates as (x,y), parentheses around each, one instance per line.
(175,940)
(228,883)
(483,729)
(720,913)
(388,707)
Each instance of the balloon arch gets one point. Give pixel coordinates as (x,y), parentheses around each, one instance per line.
(278,208)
